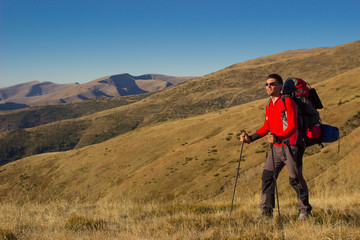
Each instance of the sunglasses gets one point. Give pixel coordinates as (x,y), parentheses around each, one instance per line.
(271,84)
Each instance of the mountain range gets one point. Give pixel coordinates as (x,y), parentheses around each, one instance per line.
(182,143)
(48,93)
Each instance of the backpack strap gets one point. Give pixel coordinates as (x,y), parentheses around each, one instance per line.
(268,104)
(284,116)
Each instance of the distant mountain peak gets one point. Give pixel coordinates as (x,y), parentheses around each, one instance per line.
(37,93)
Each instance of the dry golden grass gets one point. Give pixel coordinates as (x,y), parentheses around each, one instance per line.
(127,220)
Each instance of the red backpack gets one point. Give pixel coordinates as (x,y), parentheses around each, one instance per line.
(307,101)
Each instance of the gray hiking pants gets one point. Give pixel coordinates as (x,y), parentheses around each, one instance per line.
(291,156)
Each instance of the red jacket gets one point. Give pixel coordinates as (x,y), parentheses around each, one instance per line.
(281,120)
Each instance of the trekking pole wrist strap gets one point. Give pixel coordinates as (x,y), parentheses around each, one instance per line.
(254,137)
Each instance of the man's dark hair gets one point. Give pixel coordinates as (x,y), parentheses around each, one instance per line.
(277,77)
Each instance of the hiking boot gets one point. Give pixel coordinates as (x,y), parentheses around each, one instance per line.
(265,215)
(303,216)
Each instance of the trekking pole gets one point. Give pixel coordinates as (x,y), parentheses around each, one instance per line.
(237,175)
(276,190)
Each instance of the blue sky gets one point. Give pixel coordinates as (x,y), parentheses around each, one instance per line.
(66,41)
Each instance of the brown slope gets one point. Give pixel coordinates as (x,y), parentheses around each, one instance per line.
(246,78)
(193,158)
(312,64)
(20,92)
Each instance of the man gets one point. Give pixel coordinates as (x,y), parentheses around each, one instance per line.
(280,127)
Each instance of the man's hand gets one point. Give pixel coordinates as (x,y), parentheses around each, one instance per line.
(245,138)
(272,138)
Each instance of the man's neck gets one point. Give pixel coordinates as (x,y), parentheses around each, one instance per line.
(274,98)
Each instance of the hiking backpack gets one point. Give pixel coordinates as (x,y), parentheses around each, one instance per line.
(307,101)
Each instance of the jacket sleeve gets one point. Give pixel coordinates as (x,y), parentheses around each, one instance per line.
(291,116)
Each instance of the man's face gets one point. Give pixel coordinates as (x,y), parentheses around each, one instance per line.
(273,88)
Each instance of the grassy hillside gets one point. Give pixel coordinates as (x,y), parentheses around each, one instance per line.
(35,116)
(238,84)
(16,142)
(193,158)
(174,180)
